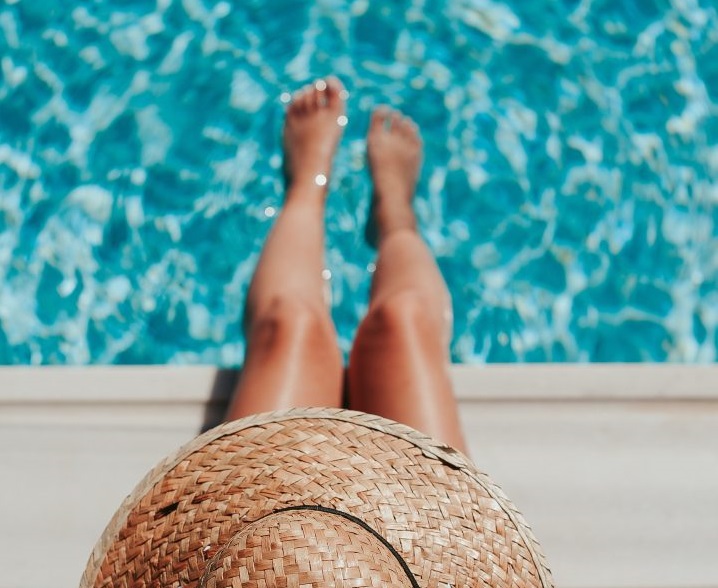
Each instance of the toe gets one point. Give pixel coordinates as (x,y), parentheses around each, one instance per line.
(314,98)
(396,121)
(335,93)
(297,104)
(406,126)
(409,128)
(380,117)
(310,97)
(320,93)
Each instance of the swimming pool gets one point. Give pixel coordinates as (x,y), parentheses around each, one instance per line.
(569,188)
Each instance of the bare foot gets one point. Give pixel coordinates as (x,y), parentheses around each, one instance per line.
(312,129)
(394,150)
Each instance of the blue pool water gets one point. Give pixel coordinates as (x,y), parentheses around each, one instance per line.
(569,189)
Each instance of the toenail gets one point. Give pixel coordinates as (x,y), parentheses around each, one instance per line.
(342,120)
(320,180)
(320,85)
(344,95)
(285,97)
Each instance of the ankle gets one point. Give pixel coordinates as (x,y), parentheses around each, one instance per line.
(393,217)
(393,191)
(305,190)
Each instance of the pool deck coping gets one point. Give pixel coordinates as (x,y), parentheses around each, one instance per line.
(496,382)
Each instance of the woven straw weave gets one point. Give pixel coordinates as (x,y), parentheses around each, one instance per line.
(304,548)
(448,522)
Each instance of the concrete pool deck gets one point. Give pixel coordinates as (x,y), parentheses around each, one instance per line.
(614,466)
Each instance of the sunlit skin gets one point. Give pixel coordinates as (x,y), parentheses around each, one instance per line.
(398,366)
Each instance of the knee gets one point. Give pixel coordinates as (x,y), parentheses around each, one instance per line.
(404,314)
(287,320)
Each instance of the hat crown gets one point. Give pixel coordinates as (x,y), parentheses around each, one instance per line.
(424,503)
(307,547)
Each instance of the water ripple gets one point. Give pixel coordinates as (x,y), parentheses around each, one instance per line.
(569,189)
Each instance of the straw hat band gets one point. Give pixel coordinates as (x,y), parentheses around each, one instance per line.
(308,546)
(409,501)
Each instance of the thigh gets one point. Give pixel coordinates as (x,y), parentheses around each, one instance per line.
(292,361)
(399,369)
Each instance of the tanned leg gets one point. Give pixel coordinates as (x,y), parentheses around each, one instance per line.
(398,366)
(292,354)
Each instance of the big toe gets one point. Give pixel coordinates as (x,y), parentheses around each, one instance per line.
(336,94)
(408,128)
(380,119)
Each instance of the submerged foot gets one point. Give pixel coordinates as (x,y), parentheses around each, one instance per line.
(312,129)
(394,151)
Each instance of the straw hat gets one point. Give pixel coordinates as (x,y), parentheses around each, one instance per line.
(316,497)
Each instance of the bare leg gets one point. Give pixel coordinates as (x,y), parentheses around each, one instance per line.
(399,363)
(292,354)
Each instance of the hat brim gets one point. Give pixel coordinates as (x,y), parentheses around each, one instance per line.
(449,522)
